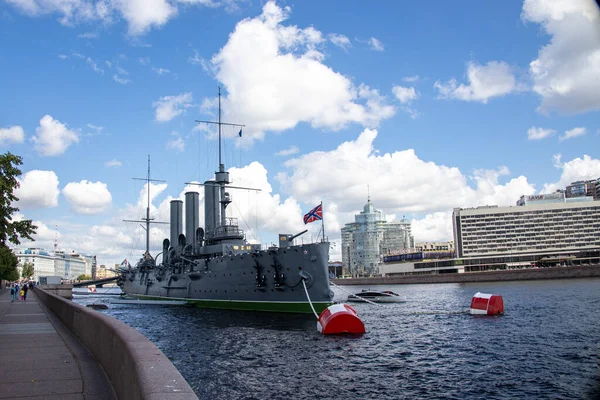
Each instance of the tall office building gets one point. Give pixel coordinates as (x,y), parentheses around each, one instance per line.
(543,227)
(367,240)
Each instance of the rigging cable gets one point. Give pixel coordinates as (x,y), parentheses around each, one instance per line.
(308,297)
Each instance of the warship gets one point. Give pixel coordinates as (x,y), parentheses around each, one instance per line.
(216,267)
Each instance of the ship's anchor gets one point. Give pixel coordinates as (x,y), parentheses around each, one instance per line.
(261,280)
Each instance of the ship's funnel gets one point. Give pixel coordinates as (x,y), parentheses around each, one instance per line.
(211,207)
(176,220)
(192,218)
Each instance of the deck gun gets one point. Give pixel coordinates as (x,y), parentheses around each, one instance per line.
(287,239)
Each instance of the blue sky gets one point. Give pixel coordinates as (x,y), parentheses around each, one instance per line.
(431,105)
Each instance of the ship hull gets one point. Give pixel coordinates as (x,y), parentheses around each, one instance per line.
(243,281)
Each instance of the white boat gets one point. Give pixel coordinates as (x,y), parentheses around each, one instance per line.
(385,296)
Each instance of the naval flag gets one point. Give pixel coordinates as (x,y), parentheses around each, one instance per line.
(315,214)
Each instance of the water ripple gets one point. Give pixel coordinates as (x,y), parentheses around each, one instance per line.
(546,346)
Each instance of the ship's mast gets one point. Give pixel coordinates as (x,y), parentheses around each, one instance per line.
(221,176)
(147,220)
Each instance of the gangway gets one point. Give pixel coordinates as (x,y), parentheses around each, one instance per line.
(97,282)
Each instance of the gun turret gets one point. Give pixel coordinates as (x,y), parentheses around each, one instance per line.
(287,239)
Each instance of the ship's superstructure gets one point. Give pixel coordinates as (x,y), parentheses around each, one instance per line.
(216,267)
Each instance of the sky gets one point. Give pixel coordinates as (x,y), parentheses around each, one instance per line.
(421,106)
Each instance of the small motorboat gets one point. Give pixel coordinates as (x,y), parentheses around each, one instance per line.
(385,296)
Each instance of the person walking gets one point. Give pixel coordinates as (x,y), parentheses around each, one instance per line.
(17,290)
(25,289)
(12,292)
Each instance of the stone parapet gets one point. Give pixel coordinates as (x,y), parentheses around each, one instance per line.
(63,290)
(136,368)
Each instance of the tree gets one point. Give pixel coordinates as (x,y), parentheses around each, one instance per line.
(84,277)
(28,270)
(8,264)
(11,230)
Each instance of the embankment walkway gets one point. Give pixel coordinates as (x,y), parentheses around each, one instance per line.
(41,359)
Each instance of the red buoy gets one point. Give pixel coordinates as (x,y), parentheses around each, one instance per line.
(339,318)
(487,304)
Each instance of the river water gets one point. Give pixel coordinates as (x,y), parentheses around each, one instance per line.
(546,346)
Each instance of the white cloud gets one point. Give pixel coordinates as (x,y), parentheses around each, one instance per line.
(340,41)
(88,35)
(176,143)
(411,79)
(282,83)
(87,197)
(168,107)
(141,15)
(342,176)
(575,170)
(485,81)
(573,133)
(94,66)
(565,72)
(195,59)
(121,80)
(113,163)
(63,56)
(97,128)
(144,60)
(52,137)
(288,152)
(71,11)
(535,133)
(376,44)
(11,135)
(37,189)
(433,227)
(160,71)
(405,94)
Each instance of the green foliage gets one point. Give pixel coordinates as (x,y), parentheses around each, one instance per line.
(84,277)
(28,270)
(8,264)
(11,230)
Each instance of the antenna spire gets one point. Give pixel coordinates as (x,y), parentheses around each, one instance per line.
(55,238)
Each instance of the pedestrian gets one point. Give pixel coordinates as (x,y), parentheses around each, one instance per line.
(12,293)
(22,294)
(25,289)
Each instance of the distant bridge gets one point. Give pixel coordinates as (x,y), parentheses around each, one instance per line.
(97,282)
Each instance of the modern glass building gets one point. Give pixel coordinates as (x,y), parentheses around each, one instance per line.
(367,240)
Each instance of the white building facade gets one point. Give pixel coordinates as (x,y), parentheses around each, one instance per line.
(534,228)
(45,263)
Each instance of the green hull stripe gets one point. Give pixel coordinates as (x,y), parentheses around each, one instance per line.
(288,306)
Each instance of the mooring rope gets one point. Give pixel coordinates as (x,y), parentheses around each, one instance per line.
(308,297)
(355,295)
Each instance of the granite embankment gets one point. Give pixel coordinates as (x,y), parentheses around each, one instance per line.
(136,368)
(592,271)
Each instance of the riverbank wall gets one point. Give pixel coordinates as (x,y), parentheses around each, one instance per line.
(136,368)
(486,276)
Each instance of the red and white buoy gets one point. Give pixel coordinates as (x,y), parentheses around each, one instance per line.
(91,289)
(487,304)
(339,318)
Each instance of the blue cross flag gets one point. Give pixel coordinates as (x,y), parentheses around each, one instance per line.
(316,214)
